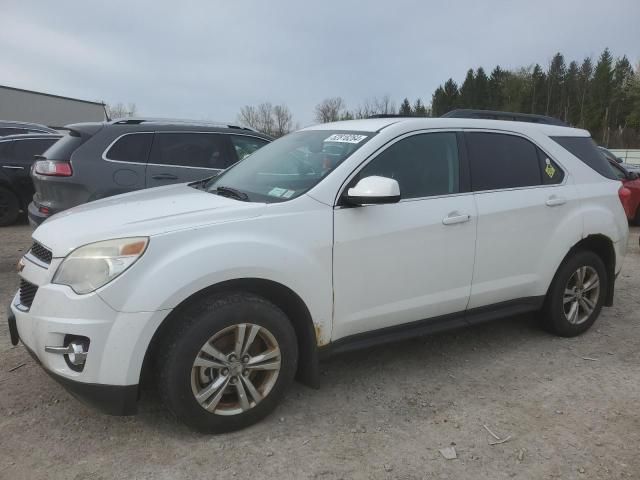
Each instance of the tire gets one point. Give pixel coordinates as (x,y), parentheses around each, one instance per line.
(212,327)
(9,207)
(573,314)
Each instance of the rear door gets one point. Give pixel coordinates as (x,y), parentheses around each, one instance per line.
(18,159)
(523,198)
(187,156)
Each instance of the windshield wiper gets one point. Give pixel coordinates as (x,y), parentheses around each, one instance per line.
(232,193)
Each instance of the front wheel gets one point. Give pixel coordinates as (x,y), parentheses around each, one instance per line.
(228,363)
(576,295)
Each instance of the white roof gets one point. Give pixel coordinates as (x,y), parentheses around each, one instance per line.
(412,123)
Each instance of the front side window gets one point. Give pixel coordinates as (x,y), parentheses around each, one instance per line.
(245,145)
(289,166)
(133,148)
(424,165)
(202,150)
(500,161)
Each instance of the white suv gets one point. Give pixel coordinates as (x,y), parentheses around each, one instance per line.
(335,237)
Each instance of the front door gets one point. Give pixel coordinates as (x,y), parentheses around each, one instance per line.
(412,260)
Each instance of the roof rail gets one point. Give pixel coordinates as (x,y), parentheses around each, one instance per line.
(509,116)
(174,121)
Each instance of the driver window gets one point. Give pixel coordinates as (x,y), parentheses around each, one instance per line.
(424,165)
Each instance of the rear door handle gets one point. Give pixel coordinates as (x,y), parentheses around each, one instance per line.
(164,176)
(13,167)
(554,201)
(456,217)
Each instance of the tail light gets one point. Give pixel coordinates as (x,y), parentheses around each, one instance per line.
(625,194)
(53,168)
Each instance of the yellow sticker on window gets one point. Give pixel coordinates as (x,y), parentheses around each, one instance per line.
(549,170)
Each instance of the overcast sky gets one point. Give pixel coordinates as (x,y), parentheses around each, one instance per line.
(207,59)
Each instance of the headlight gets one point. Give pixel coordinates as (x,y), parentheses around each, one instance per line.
(92,266)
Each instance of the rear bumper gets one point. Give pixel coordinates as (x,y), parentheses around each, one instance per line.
(35,216)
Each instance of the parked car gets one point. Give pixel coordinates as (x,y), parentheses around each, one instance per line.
(18,128)
(614,158)
(98,160)
(631,198)
(16,157)
(339,236)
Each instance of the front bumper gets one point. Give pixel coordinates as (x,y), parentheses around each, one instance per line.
(118,340)
(109,399)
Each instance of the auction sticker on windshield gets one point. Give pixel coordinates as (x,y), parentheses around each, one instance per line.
(345,138)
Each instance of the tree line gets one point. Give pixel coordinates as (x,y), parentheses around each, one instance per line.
(602,97)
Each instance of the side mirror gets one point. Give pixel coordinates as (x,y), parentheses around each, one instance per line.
(374,190)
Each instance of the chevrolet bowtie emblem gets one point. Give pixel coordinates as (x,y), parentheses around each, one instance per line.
(20,266)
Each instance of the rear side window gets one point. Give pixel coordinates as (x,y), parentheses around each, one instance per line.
(5,150)
(25,150)
(245,145)
(132,148)
(203,150)
(552,174)
(64,148)
(586,150)
(501,161)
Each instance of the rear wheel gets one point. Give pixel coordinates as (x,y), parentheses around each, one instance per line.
(9,207)
(228,363)
(576,295)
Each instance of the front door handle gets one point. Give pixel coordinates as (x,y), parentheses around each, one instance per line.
(456,217)
(554,201)
(13,167)
(164,176)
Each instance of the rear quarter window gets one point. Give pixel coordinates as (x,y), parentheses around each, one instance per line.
(132,147)
(586,150)
(64,148)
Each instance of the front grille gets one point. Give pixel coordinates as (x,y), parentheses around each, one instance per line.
(41,252)
(27,293)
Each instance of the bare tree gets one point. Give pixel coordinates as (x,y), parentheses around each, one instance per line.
(329,109)
(375,106)
(120,110)
(266,118)
(283,120)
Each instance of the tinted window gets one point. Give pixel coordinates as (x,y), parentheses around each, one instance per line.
(586,150)
(552,174)
(64,148)
(205,150)
(25,150)
(12,131)
(5,150)
(424,165)
(619,172)
(502,161)
(245,145)
(131,148)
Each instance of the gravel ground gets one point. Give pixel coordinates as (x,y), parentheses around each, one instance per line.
(569,406)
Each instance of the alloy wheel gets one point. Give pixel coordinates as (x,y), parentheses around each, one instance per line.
(581,295)
(235,369)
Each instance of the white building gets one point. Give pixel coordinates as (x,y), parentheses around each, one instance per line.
(52,110)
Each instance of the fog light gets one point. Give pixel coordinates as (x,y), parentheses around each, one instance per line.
(74,351)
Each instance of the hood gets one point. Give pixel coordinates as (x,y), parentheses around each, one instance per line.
(142,213)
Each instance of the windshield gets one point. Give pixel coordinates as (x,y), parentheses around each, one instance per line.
(288,167)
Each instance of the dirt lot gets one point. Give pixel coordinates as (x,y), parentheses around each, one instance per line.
(570,407)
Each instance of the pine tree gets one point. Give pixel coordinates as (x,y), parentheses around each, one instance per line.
(538,90)
(571,105)
(405,108)
(584,84)
(555,86)
(496,89)
(599,99)
(419,110)
(467,91)
(481,89)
